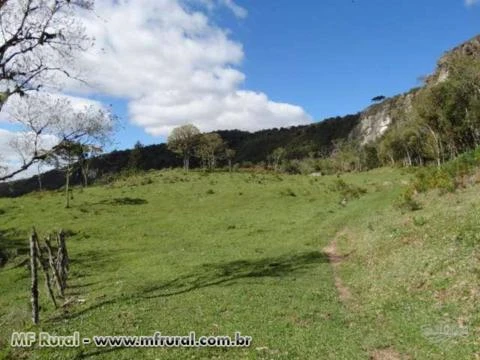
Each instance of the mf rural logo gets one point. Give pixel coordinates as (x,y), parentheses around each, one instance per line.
(444,333)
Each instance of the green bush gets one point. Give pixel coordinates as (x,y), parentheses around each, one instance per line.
(292,167)
(406,202)
(448,177)
(348,191)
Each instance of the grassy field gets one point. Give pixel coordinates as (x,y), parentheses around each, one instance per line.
(220,253)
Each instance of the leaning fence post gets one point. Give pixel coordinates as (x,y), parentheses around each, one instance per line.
(33,271)
(51,262)
(44,265)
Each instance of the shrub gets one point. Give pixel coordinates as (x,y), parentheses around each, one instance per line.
(292,167)
(419,221)
(406,202)
(450,176)
(348,191)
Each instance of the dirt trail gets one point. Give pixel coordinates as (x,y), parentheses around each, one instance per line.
(345,295)
(386,354)
(335,259)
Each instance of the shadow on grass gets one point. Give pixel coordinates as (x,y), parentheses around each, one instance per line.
(12,244)
(90,262)
(230,272)
(226,273)
(124,201)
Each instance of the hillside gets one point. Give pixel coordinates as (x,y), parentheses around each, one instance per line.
(249,147)
(278,258)
(300,142)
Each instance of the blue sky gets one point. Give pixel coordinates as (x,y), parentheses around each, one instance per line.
(332,56)
(250,64)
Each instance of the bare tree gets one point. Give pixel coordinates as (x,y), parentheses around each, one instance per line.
(3,167)
(39,40)
(48,122)
(39,175)
(182,141)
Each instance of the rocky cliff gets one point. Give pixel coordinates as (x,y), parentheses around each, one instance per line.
(376,119)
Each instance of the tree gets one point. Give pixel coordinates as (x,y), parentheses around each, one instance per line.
(66,156)
(87,154)
(39,42)
(229,155)
(47,122)
(208,148)
(277,156)
(369,157)
(346,155)
(3,168)
(135,160)
(378,98)
(182,141)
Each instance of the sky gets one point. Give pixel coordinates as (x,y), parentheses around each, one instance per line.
(250,64)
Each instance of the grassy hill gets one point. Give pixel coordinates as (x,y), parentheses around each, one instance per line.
(310,267)
(250,147)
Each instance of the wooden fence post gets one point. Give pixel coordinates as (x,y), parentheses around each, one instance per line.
(53,267)
(33,272)
(62,259)
(44,265)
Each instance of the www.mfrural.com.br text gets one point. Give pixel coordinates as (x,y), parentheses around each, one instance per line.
(47,340)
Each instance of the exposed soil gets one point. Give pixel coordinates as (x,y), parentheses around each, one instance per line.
(386,354)
(335,259)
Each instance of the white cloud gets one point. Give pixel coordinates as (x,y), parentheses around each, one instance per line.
(174,66)
(236,9)
(471,2)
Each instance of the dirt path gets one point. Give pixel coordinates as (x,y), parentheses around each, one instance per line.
(345,295)
(335,259)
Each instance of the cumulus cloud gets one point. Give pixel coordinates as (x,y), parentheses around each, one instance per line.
(174,66)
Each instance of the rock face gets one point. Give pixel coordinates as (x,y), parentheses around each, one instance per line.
(376,119)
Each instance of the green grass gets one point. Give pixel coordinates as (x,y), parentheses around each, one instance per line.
(219,253)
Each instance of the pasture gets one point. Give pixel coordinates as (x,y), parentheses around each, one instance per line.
(310,267)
